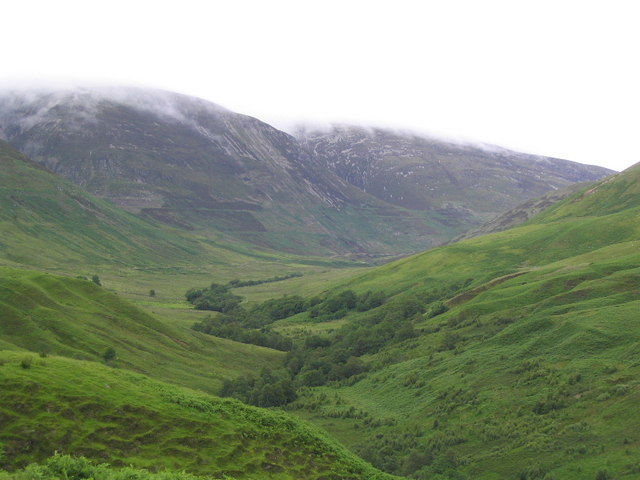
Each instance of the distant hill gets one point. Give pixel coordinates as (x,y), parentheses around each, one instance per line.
(422,173)
(522,213)
(197,166)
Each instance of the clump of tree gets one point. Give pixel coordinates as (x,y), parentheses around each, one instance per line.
(249,283)
(109,355)
(235,327)
(216,297)
(337,305)
(322,359)
(269,389)
(276,309)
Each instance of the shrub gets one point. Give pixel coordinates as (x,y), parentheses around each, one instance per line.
(216,297)
(449,341)
(436,309)
(96,279)
(109,354)
(26,362)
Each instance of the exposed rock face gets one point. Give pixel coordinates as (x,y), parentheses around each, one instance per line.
(195,165)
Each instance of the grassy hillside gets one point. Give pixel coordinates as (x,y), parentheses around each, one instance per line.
(40,213)
(76,318)
(64,405)
(525,363)
(49,224)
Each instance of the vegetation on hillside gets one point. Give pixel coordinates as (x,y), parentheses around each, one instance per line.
(87,409)
(525,372)
(253,325)
(76,318)
(79,468)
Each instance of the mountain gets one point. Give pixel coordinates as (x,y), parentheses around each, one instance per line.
(422,173)
(197,166)
(509,355)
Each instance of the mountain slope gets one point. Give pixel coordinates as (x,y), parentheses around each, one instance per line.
(195,165)
(48,223)
(76,318)
(423,173)
(40,212)
(83,408)
(525,362)
(522,213)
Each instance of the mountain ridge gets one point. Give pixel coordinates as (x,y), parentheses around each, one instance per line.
(404,167)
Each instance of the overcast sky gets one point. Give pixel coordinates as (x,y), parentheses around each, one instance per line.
(558,78)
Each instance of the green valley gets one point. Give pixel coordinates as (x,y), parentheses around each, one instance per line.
(218,305)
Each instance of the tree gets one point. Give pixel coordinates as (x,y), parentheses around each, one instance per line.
(109,354)
(96,279)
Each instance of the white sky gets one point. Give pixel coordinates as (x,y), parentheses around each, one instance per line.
(558,78)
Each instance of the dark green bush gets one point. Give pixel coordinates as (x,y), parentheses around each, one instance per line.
(109,355)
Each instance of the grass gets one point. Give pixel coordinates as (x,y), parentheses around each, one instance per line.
(88,409)
(78,319)
(74,468)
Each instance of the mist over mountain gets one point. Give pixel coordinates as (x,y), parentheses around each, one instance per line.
(197,166)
